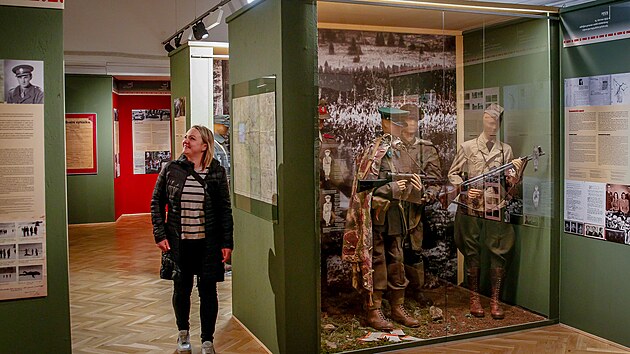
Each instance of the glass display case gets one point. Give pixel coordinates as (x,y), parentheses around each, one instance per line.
(436,180)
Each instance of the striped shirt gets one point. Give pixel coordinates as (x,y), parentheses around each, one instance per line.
(192,208)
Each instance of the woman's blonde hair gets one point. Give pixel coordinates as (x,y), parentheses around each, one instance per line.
(207,138)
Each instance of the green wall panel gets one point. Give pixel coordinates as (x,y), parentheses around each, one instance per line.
(276,266)
(91,197)
(23,328)
(594,274)
(180,85)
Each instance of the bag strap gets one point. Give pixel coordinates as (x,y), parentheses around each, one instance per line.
(197,177)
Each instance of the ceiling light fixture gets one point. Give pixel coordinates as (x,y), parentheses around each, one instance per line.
(199,31)
(198,20)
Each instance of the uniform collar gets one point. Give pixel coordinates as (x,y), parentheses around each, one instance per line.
(482,140)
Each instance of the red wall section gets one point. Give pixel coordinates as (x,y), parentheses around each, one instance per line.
(132,193)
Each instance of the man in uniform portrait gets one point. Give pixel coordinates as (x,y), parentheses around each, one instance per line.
(24,92)
(476,157)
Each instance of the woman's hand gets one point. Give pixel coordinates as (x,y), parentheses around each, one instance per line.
(163,245)
(227,254)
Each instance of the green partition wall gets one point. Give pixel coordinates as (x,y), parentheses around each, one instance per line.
(91,197)
(275,283)
(594,274)
(42,325)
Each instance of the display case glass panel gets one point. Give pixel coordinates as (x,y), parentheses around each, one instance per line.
(427,231)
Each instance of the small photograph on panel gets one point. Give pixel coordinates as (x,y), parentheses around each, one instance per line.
(31,229)
(30,272)
(154,160)
(8,252)
(7,230)
(23,81)
(7,275)
(30,250)
(616,236)
(595,231)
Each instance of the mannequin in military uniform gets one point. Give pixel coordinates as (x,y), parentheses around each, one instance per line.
(424,160)
(475,157)
(391,204)
(24,92)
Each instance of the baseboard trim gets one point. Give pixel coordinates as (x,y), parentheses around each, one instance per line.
(591,335)
(251,334)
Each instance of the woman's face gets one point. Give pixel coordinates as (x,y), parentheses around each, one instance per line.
(193,144)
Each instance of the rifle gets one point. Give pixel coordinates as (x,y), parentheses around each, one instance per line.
(476,204)
(533,156)
(367,184)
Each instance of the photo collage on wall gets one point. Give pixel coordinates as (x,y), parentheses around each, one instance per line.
(151,139)
(361,72)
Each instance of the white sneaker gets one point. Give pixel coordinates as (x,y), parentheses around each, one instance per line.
(207,348)
(183,342)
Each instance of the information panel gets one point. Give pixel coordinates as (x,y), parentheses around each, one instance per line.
(81,143)
(597,137)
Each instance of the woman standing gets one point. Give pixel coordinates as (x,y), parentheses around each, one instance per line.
(197,232)
(615,202)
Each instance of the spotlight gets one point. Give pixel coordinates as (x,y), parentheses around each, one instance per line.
(199,31)
(168,47)
(178,40)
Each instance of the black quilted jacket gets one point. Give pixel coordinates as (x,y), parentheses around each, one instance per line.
(217,209)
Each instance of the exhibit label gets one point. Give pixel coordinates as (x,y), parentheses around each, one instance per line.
(596,24)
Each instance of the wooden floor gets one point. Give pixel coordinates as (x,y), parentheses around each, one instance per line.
(119,305)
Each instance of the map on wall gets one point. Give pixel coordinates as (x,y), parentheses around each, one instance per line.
(254,147)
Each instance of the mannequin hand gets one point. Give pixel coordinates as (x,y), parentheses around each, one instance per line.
(163,245)
(227,254)
(402,184)
(474,193)
(416,182)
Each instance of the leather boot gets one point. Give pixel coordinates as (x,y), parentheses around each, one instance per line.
(496,278)
(473,285)
(400,315)
(375,317)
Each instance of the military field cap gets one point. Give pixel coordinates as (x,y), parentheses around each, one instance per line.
(22,70)
(494,110)
(222,119)
(388,113)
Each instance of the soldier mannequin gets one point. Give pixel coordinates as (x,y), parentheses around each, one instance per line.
(427,162)
(475,157)
(24,92)
(390,203)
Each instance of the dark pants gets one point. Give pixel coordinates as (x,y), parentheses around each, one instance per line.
(499,239)
(190,257)
(387,263)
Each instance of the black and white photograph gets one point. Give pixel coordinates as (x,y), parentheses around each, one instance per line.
(151,114)
(595,231)
(221,87)
(30,250)
(616,236)
(23,81)
(8,275)
(30,272)
(8,252)
(30,229)
(567,226)
(179,107)
(7,230)
(533,220)
(154,160)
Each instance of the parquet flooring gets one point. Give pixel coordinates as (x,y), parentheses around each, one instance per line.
(119,305)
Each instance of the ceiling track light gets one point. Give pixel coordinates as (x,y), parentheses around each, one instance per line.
(178,40)
(197,25)
(199,31)
(168,47)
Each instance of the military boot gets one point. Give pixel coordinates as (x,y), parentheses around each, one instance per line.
(399,313)
(496,278)
(375,317)
(476,309)
(415,275)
